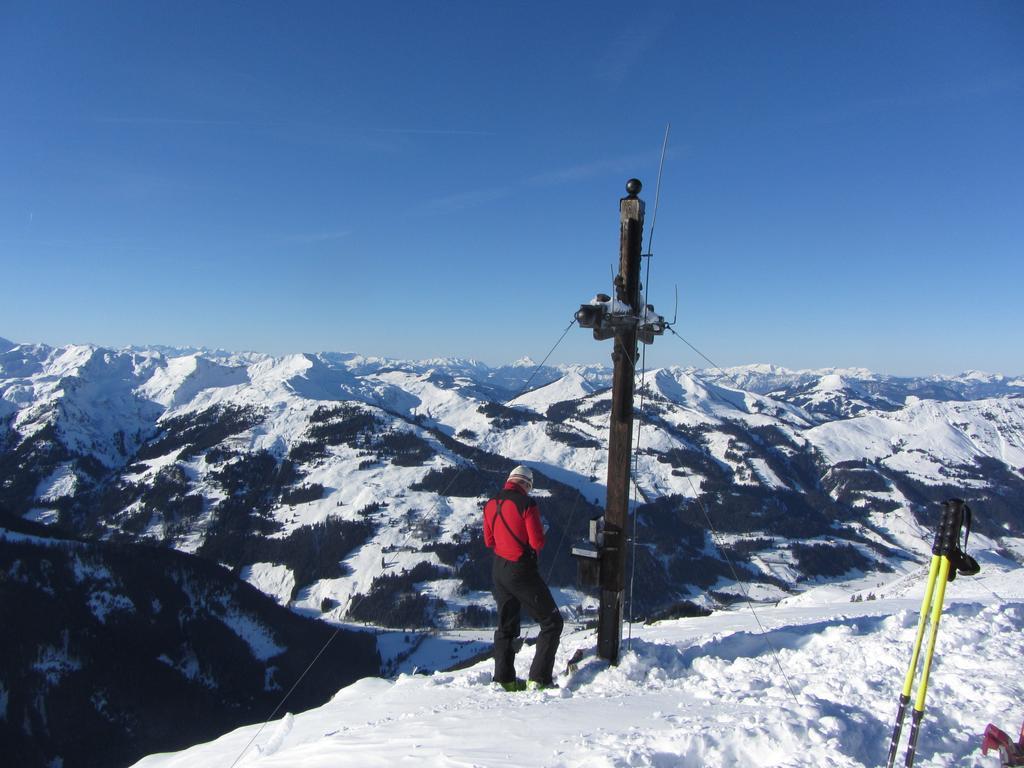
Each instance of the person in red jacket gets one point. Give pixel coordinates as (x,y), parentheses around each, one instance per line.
(512,528)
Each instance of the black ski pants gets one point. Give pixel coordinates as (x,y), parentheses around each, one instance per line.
(518,586)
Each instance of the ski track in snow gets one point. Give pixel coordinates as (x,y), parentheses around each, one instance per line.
(818,688)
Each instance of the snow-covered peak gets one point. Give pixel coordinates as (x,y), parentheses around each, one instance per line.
(978,376)
(573,385)
(680,386)
(279,369)
(763,369)
(927,438)
(180,379)
(846,373)
(831,382)
(68,361)
(687,388)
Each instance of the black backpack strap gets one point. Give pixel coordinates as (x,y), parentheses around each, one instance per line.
(522,502)
(499,501)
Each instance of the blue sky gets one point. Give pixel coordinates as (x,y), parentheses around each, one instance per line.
(843,184)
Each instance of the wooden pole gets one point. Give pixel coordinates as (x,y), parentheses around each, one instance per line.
(620,440)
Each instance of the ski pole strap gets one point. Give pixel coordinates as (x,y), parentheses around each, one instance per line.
(956,515)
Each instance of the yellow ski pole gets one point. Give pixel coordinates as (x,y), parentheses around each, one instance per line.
(922,691)
(947,561)
(908,682)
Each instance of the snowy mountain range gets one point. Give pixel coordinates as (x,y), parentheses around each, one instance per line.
(251,460)
(348,488)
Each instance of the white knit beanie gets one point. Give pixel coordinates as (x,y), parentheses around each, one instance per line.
(523,475)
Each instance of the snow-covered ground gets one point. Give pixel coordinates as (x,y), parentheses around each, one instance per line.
(814,682)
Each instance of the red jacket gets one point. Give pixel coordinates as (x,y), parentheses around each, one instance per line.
(526,526)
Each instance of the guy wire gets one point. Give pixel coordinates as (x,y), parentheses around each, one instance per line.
(462,467)
(356,604)
(714,532)
(523,390)
(290,690)
(540,365)
(636,488)
(743,587)
(922,533)
(706,358)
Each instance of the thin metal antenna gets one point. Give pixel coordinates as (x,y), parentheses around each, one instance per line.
(654,218)
(657,189)
(643,375)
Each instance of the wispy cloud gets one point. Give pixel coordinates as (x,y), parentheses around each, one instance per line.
(328,126)
(463,200)
(312,238)
(130,120)
(624,164)
(632,44)
(434,131)
(77,244)
(953,93)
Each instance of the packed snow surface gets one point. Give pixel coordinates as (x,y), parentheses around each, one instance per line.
(814,683)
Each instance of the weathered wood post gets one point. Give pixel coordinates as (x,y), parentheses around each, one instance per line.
(620,439)
(602,560)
